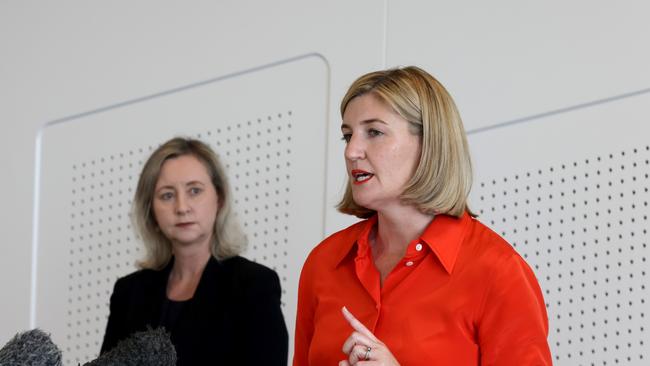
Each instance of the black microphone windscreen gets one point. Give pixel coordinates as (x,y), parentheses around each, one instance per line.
(146,348)
(30,348)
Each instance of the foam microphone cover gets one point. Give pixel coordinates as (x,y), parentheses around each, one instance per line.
(149,347)
(30,348)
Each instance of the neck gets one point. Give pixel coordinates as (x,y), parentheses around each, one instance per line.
(397,227)
(190,260)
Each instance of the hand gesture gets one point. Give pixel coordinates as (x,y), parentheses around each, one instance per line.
(363,348)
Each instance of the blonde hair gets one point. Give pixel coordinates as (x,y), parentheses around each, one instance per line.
(443,178)
(228,238)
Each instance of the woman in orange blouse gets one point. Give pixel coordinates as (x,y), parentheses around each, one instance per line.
(428,283)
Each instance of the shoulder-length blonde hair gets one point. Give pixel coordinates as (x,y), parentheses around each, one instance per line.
(443,178)
(228,238)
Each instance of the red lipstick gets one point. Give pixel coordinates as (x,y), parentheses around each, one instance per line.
(360,176)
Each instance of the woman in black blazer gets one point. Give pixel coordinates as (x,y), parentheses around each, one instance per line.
(220,308)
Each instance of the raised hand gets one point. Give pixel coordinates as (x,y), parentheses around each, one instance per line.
(363,348)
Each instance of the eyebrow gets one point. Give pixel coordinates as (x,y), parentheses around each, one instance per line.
(190,183)
(365,122)
(194,182)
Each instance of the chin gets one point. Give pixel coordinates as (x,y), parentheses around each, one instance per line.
(186,240)
(365,203)
(373,202)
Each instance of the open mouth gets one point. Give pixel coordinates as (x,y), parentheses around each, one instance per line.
(360,176)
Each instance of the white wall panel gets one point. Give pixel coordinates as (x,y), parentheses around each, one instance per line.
(72,56)
(554,95)
(504,60)
(571,191)
(274,153)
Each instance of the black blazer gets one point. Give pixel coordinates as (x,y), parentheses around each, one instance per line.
(234,317)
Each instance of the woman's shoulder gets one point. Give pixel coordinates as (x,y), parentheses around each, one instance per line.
(349,233)
(139,283)
(249,277)
(336,246)
(488,249)
(139,277)
(483,239)
(241,266)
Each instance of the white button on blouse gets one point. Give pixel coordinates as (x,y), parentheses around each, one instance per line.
(409,263)
(418,247)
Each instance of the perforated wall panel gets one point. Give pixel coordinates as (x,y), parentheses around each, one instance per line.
(570,192)
(274,153)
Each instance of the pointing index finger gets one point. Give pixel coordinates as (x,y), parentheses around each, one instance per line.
(357,325)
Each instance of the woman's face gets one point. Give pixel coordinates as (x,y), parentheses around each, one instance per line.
(185,201)
(381,153)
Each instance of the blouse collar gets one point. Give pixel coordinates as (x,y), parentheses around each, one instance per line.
(444,236)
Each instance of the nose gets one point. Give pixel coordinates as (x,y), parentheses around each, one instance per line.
(355,149)
(182,206)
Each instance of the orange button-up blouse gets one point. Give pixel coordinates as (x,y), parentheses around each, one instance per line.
(460,296)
